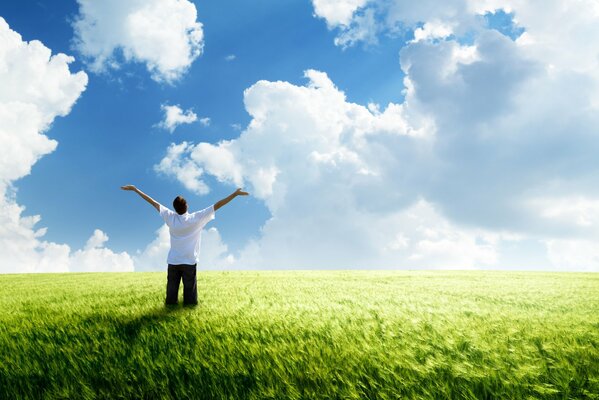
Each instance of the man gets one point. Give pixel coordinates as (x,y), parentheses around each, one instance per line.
(185,230)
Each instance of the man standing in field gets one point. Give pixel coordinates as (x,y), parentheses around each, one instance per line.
(185,231)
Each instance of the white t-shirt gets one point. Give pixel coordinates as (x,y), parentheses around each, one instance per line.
(185,231)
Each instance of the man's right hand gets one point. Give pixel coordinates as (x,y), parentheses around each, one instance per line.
(143,195)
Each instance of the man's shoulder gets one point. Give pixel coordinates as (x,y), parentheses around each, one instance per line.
(203,216)
(206,210)
(165,211)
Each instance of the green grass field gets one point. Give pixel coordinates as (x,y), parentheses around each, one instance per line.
(296,335)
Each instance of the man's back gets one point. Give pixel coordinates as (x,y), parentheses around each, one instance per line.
(185,232)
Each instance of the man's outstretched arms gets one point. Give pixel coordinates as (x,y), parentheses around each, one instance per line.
(144,196)
(230,197)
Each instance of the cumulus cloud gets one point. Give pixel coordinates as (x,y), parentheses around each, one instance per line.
(363,29)
(175,116)
(180,162)
(432,30)
(555,32)
(186,171)
(214,253)
(95,257)
(323,167)
(153,257)
(514,120)
(337,12)
(97,240)
(510,132)
(37,87)
(362,21)
(573,254)
(478,157)
(162,34)
(22,248)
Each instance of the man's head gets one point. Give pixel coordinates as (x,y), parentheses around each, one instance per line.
(180,205)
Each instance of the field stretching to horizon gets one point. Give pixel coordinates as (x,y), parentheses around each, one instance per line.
(302,335)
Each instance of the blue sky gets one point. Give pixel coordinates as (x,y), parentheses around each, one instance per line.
(109,137)
(438,175)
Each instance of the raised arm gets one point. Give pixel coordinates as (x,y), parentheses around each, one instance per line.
(143,196)
(230,197)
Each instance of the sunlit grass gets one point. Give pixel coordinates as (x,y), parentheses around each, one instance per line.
(302,335)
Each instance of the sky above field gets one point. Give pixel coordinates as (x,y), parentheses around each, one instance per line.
(371,134)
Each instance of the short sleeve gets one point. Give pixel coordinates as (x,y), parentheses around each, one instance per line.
(204,216)
(165,213)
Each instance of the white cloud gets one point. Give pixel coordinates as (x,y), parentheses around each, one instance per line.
(437,243)
(432,30)
(214,253)
(573,254)
(364,20)
(574,211)
(323,166)
(556,32)
(205,121)
(175,116)
(562,34)
(22,248)
(95,257)
(364,28)
(97,240)
(337,12)
(230,57)
(514,121)
(485,129)
(508,131)
(180,162)
(163,34)
(416,237)
(37,87)
(186,171)
(153,257)
(219,160)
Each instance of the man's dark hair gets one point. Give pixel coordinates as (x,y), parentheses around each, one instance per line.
(180,205)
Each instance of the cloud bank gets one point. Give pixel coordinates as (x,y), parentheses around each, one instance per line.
(493,140)
(323,167)
(162,34)
(37,87)
(214,254)
(175,116)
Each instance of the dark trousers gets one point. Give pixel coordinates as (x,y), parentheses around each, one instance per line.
(190,284)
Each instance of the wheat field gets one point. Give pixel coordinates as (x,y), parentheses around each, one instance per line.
(302,335)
